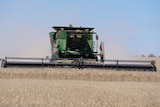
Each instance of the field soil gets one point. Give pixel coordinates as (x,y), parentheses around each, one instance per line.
(64,87)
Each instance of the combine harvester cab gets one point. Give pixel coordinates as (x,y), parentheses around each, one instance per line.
(77,47)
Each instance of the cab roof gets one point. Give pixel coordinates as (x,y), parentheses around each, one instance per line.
(71,28)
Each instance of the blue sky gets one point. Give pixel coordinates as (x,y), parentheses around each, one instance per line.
(127,27)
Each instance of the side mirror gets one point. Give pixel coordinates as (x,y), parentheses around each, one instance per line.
(96,37)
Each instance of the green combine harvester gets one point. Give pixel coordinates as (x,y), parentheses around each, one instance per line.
(77,47)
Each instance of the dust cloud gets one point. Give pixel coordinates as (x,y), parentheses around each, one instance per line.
(114,49)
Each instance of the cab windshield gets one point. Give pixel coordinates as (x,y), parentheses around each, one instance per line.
(77,42)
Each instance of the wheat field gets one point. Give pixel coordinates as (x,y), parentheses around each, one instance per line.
(59,87)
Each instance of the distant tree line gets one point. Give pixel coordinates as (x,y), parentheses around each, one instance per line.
(150,55)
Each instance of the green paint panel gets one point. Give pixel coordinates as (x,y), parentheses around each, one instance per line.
(90,42)
(73,53)
(90,37)
(62,44)
(62,35)
(62,41)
